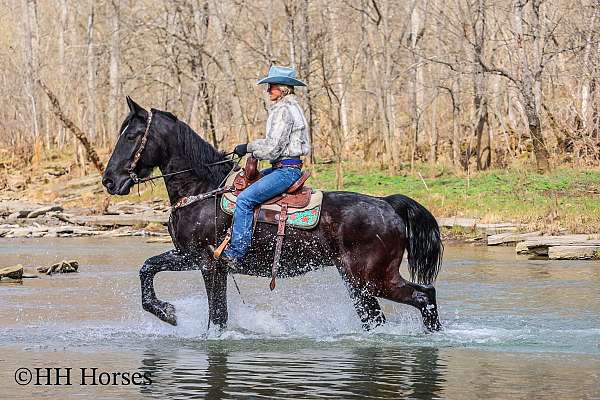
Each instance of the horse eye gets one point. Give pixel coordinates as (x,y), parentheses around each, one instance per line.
(131,136)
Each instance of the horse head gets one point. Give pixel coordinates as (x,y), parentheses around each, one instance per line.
(136,152)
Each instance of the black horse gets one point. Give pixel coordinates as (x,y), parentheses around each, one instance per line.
(364,237)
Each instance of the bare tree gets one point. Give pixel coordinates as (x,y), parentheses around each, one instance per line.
(91,74)
(589,106)
(113,9)
(416,75)
(64,12)
(484,154)
(475,77)
(31,49)
(338,91)
(224,33)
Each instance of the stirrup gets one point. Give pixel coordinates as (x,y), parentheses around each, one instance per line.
(232,264)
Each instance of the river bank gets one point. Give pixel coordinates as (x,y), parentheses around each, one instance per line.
(512,203)
(33,220)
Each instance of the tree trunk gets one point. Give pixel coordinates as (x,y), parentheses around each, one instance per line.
(237,108)
(200,69)
(115,61)
(306,72)
(416,78)
(340,89)
(91,76)
(484,155)
(61,64)
(455,122)
(434,135)
(31,48)
(386,85)
(268,48)
(530,87)
(290,12)
(367,131)
(588,106)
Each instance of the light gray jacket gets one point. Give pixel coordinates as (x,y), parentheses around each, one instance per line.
(287,132)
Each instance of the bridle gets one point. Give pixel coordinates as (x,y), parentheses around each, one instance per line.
(138,153)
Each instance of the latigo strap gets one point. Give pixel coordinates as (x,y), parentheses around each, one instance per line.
(279,244)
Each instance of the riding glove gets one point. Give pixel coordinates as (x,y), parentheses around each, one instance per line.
(241,149)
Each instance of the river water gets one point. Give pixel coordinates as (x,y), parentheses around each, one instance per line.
(513,328)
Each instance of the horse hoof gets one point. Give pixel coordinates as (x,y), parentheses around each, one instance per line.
(169,315)
(163,310)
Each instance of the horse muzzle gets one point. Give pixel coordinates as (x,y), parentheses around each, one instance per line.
(119,188)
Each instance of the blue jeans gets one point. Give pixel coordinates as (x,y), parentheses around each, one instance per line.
(274,182)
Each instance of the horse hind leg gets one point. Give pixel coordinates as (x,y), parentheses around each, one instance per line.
(422,297)
(428,308)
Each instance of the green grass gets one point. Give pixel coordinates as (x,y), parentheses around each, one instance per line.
(563,198)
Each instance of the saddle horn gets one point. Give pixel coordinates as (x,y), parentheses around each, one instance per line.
(251,168)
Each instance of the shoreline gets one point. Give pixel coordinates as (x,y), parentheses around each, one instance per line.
(21,219)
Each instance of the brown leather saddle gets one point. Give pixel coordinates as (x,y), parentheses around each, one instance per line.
(296,196)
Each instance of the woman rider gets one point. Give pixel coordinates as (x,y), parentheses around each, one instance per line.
(286,141)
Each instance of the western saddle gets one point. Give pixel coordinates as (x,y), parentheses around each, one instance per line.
(296,196)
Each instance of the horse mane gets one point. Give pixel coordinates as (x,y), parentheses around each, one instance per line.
(199,152)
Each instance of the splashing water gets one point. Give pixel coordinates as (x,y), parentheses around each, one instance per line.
(493,307)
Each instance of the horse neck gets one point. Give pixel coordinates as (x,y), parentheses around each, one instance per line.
(186,183)
(181,185)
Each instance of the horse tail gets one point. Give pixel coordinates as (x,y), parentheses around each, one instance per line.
(425,246)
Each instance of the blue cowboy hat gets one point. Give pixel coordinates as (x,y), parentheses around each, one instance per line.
(281,75)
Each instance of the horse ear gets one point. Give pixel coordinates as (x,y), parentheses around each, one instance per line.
(133,106)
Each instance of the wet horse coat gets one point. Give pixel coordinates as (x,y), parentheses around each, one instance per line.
(363,236)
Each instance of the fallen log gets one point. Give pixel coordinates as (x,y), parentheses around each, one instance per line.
(159,239)
(43,211)
(123,219)
(70,125)
(62,267)
(14,273)
(457,221)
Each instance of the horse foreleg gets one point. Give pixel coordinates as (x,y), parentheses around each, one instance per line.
(216,291)
(169,261)
(367,306)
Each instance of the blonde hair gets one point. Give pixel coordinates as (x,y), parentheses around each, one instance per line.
(285,89)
